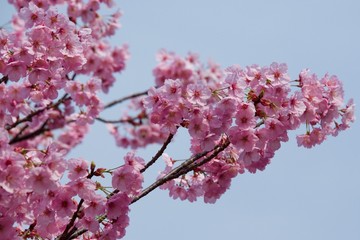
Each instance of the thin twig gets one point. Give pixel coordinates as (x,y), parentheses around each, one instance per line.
(124,120)
(21,131)
(37,132)
(4,79)
(135,121)
(69,234)
(78,233)
(159,153)
(31,115)
(64,235)
(184,168)
(135,95)
(111,121)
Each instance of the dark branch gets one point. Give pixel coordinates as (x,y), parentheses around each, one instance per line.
(135,121)
(184,168)
(68,234)
(78,233)
(135,95)
(31,115)
(37,132)
(4,79)
(159,153)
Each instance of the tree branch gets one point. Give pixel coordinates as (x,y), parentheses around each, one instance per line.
(184,168)
(159,153)
(31,115)
(4,79)
(69,234)
(65,234)
(37,132)
(135,95)
(124,120)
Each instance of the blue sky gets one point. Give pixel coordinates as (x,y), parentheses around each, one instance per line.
(303,194)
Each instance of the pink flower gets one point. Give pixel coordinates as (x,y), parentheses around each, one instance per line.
(15,70)
(245,116)
(297,105)
(274,128)
(84,187)
(153,98)
(348,113)
(6,228)
(63,203)
(243,139)
(90,223)
(46,223)
(304,140)
(334,89)
(71,46)
(95,205)
(249,157)
(173,89)
(193,192)
(136,162)
(198,128)
(18,92)
(41,180)
(78,168)
(198,94)
(278,72)
(212,191)
(88,13)
(39,72)
(31,15)
(317,136)
(12,178)
(127,179)
(117,206)
(236,80)
(177,191)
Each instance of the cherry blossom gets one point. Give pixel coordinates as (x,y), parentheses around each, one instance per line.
(56,63)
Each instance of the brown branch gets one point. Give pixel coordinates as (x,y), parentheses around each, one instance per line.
(195,165)
(66,233)
(124,120)
(31,115)
(21,131)
(77,233)
(37,132)
(4,79)
(159,153)
(184,168)
(135,121)
(135,95)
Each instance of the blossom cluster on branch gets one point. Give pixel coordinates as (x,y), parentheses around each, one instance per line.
(54,65)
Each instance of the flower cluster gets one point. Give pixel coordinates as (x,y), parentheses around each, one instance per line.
(254,108)
(184,71)
(31,194)
(53,67)
(41,60)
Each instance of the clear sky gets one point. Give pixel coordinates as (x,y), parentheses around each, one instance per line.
(303,194)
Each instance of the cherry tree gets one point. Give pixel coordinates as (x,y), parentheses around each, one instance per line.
(54,66)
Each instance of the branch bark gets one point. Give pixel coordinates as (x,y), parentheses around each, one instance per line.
(184,168)
(159,153)
(135,95)
(31,115)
